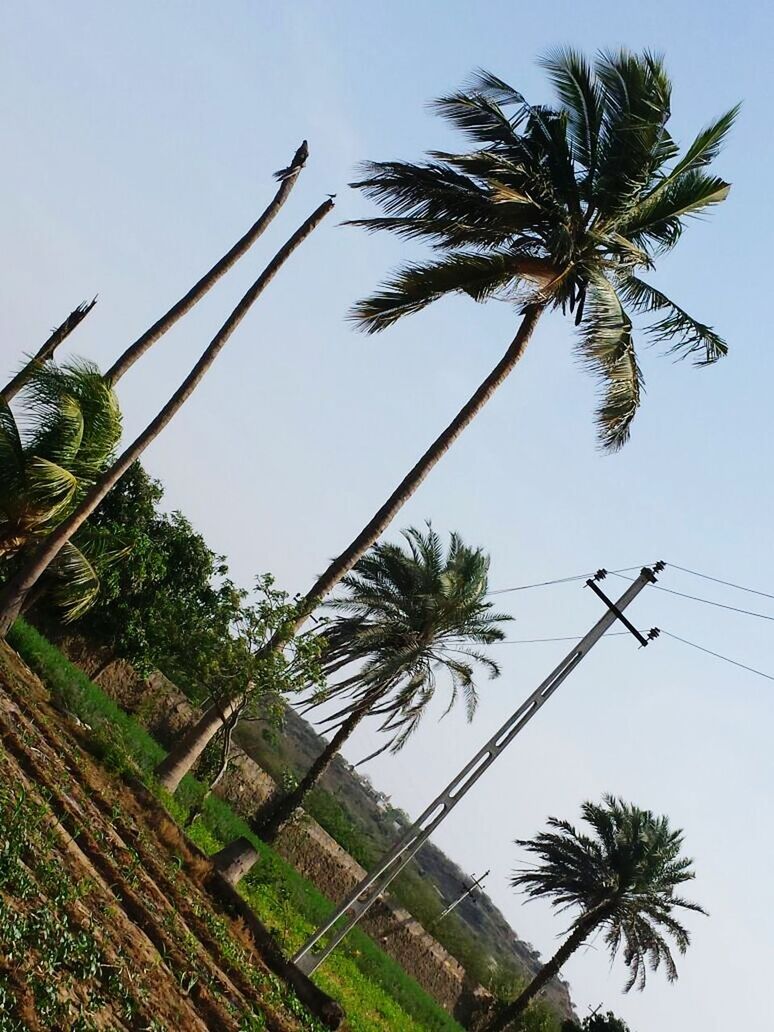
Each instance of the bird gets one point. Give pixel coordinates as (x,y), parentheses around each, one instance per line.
(295,166)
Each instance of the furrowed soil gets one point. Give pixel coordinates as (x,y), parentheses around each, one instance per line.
(104,923)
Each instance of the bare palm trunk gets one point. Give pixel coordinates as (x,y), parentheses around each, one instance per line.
(229,726)
(75,317)
(235,860)
(288,179)
(580,933)
(16,589)
(382,518)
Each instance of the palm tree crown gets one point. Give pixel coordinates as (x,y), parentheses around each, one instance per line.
(558,207)
(69,426)
(626,872)
(407,613)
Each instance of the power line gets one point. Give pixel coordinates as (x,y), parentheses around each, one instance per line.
(560,580)
(705,601)
(718,580)
(717,655)
(569,637)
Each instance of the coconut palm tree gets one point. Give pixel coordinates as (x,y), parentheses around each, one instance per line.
(287,180)
(408,614)
(46,352)
(622,877)
(554,208)
(48,461)
(15,591)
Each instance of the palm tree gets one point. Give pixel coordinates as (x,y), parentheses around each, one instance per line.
(407,614)
(15,591)
(47,350)
(553,208)
(47,464)
(622,878)
(287,180)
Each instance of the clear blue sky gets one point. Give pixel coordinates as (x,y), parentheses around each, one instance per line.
(139,142)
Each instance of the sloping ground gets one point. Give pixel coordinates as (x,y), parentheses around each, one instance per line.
(375,992)
(101,927)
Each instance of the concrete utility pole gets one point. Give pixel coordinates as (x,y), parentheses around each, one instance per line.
(475,884)
(412,840)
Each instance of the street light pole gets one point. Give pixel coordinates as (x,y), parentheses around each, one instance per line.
(412,840)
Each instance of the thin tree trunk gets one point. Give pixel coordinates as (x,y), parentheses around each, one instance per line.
(225,755)
(381,519)
(75,317)
(236,859)
(580,933)
(135,351)
(16,589)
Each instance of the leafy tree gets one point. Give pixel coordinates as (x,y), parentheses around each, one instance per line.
(597,1023)
(623,879)
(551,208)
(407,614)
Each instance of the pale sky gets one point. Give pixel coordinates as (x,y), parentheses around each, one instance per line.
(139,142)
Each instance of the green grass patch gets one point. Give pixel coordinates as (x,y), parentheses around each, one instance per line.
(375,991)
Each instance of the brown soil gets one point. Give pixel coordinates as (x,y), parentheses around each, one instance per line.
(180,960)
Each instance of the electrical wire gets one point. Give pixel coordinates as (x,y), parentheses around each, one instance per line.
(718,580)
(705,601)
(569,637)
(560,580)
(717,655)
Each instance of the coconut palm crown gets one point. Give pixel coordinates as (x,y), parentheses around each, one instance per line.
(627,871)
(68,426)
(558,207)
(408,613)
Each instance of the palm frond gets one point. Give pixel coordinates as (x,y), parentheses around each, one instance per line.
(607,348)
(683,334)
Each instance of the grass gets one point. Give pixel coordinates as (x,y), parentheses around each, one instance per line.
(375,991)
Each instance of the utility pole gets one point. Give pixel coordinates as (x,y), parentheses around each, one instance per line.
(412,840)
(475,884)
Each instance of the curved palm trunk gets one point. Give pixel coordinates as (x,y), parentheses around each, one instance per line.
(16,589)
(288,179)
(225,755)
(341,566)
(580,933)
(235,860)
(75,317)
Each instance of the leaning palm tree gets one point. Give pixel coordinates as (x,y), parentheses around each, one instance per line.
(47,350)
(554,208)
(623,878)
(408,614)
(287,180)
(18,587)
(50,456)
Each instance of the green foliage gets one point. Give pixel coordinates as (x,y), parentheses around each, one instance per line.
(374,989)
(405,614)
(597,1023)
(558,207)
(625,876)
(65,437)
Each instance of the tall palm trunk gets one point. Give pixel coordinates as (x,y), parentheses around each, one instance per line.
(580,933)
(46,352)
(16,589)
(135,351)
(236,859)
(229,726)
(178,758)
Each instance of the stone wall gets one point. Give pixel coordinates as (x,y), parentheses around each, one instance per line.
(306,845)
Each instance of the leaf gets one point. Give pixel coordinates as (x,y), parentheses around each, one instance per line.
(607,348)
(684,335)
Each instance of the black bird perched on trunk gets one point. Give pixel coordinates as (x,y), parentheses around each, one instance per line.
(295,165)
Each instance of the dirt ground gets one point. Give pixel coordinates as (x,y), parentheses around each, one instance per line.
(104,923)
